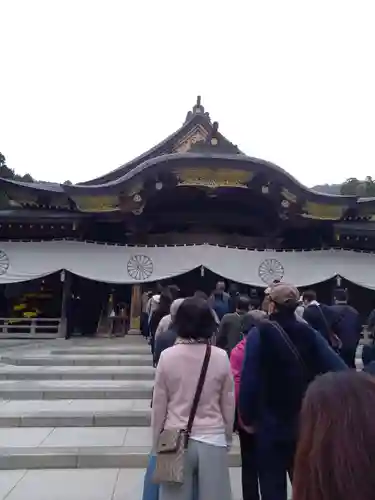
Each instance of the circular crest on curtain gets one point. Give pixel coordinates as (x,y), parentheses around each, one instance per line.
(4,262)
(270,270)
(140,267)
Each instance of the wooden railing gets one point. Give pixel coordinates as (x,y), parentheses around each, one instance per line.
(30,327)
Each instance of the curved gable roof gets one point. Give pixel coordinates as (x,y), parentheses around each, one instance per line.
(196,120)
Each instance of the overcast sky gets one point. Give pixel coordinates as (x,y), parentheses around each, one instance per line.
(87,85)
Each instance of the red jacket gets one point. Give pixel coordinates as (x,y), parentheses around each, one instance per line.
(236,361)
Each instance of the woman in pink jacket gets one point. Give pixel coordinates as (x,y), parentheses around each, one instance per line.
(250,488)
(176,379)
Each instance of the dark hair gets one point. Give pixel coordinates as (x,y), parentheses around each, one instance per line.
(309,295)
(287,309)
(275,282)
(251,319)
(164,303)
(243,303)
(194,319)
(201,295)
(335,457)
(340,295)
(221,284)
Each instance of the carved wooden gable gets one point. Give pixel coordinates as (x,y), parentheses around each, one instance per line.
(196,134)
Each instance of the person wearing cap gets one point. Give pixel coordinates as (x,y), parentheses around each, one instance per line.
(282,356)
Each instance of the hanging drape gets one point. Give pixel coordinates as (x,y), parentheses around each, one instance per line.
(22,261)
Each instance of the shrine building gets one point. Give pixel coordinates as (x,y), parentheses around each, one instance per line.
(191,210)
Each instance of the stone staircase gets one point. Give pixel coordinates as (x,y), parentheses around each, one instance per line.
(78,409)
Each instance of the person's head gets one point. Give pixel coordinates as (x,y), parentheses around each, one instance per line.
(335,457)
(254,299)
(251,319)
(165,302)
(276,282)
(220,287)
(283,299)
(242,304)
(233,289)
(266,304)
(340,297)
(174,308)
(194,319)
(308,297)
(201,295)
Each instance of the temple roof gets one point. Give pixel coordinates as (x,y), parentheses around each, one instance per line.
(197,155)
(197,132)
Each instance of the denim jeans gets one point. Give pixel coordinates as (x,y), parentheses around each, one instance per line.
(150,489)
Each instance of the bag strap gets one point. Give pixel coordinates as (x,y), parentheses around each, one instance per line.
(199,389)
(323,316)
(291,346)
(332,336)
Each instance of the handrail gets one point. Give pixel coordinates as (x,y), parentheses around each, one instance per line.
(29,326)
(30,319)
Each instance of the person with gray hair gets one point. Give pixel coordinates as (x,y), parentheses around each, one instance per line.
(166,336)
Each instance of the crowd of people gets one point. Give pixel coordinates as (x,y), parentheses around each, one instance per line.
(280,374)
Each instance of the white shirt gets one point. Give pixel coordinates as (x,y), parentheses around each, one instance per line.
(212,439)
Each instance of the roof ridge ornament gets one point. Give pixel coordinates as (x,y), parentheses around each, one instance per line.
(198,109)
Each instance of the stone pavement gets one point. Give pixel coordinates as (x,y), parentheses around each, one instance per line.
(74,419)
(81,484)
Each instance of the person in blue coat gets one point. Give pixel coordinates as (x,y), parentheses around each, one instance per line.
(282,356)
(348,327)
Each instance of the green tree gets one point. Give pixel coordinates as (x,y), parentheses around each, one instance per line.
(355,187)
(68,183)
(8,173)
(350,186)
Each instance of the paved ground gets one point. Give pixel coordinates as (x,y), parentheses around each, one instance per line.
(74,419)
(80,484)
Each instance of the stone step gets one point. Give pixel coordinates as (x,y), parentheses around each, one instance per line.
(80,360)
(79,389)
(76,413)
(100,447)
(12,372)
(87,457)
(104,351)
(83,484)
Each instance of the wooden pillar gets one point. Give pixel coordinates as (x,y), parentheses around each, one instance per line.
(66,279)
(135,310)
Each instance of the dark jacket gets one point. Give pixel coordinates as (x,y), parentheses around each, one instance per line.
(163,341)
(220,303)
(321,318)
(273,381)
(371,322)
(230,332)
(347,325)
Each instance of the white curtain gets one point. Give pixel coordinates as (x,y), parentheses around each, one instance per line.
(22,261)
